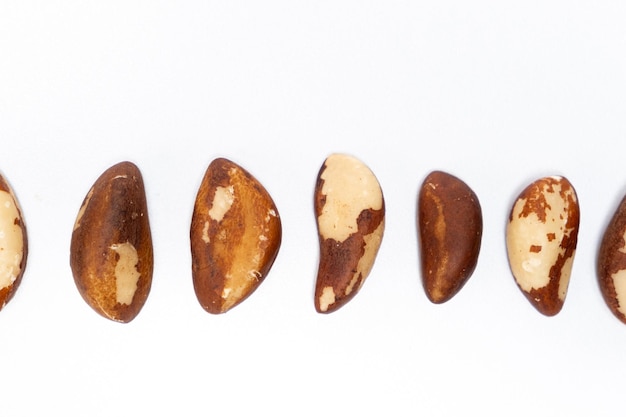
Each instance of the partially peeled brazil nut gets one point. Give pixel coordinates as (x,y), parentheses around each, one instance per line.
(235,236)
(111,253)
(13,243)
(350,213)
(541,239)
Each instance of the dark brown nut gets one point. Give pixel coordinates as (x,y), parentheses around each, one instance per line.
(111,250)
(611,263)
(13,243)
(541,238)
(235,236)
(350,212)
(450,229)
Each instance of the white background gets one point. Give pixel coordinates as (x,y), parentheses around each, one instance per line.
(498,93)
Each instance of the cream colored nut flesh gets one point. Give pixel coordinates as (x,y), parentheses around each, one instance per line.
(541,239)
(11,240)
(126,273)
(350,188)
(350,211)
(619,282)
(13,243)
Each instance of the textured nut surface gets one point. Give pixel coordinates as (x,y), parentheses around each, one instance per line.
(235,236)
(541,239)
(611,264)
(111,250)
(350,212)
(13,243)
(450,230)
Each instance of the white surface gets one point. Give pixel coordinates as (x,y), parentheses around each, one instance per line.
(496,93)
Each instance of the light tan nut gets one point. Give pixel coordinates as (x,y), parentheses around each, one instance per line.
(235,236)
(450,229)
(111,250)
(350,211)
(541,238)
(13,243)
(611,264)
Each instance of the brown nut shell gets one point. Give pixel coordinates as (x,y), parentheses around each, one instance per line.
(350,213)
(235,236)
(450,229)
(13,243)
(611,263)
(111,253)
(541,238)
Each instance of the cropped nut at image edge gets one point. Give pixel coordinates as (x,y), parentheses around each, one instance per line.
(611,263)
(13,243)
(111,253)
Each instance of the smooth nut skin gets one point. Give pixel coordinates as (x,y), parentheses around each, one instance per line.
(235,236)
(450,229)
(541,238)
(13,243)
(350,212)
(111,253)
(611,263)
